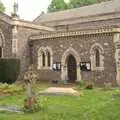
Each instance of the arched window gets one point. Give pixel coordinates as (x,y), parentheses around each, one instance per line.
(97,57)
(1,44)
(48,59)
(0,52)
(43,59)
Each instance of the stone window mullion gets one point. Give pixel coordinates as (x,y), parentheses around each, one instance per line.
(51,60)
(40,60)
(101,60)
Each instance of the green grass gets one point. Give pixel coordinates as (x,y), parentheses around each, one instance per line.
(94,104)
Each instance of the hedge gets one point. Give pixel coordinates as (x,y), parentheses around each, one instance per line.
(9,70)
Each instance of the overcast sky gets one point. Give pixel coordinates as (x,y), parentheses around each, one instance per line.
(28,9)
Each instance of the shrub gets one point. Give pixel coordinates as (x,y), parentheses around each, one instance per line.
(85,84)
(39,104)
(9,89)
(89,85)
(82,83)
(9,70)
(107,86)
(31,105)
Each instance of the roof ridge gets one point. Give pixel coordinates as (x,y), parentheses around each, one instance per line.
(72,10)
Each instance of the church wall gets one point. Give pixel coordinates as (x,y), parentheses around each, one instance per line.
(82,45)
(23,51)
(7,33)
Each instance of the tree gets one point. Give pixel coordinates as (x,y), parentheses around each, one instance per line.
(2,7)
(80,3)
(58,5)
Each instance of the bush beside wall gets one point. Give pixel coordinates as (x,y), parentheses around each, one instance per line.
(9,70)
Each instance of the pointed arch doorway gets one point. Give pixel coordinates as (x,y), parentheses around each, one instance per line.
(70,70)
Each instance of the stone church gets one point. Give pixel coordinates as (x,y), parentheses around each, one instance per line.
(71,45)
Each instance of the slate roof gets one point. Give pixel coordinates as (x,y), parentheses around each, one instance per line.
(4,17)
(96,9)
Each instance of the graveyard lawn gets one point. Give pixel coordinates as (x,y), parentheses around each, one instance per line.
(95,104)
